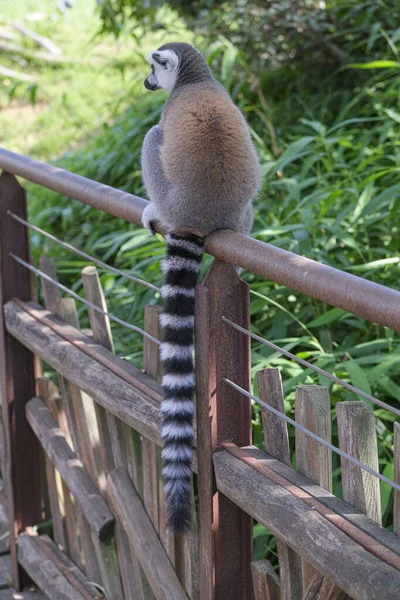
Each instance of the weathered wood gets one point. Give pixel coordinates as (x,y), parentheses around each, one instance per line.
(5,571)
(153,367)
(338,557)
(21,469)
(143,538)
(57,578)
(275,430)
(49,394)
(265,581)
(51,293)
(182,549)
(321,588)
(71,419)
(123,400)
(334,504)
(25,595)
(357,437)
(276,442)
(72,572)
(313,411)
(4,530)
(226,537)
(112,435)
(396,498)
(70,467)
(81,411)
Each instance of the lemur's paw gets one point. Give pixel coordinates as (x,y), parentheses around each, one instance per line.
(149,218)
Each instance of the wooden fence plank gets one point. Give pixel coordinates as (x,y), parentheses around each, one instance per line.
(22,470)
(357,437)
(48,393)
(70,467)
(358,572)
(123,400)
(313,411)
(226,536)
(70,417)
(265,581)
(143,538)
(112,433)
(56,578)
(182,549)
(150,453)
(396,498)
(321,588)
(277,444)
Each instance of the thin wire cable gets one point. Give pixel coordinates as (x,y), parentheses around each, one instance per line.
(77,297)
(82,253)
(312,435)
(305,363)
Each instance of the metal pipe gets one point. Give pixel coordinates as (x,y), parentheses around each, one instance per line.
(359,296)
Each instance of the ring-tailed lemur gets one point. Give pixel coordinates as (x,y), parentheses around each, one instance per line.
(201,172)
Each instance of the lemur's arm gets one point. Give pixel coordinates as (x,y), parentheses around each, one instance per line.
(154,178)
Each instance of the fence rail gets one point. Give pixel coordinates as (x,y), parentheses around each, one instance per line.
(101,433)
(359,296)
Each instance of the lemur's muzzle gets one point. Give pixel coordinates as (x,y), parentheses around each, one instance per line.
(150,83)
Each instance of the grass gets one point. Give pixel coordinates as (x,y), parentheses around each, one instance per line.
(71,101)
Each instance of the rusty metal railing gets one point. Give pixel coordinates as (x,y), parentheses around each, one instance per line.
(361,297)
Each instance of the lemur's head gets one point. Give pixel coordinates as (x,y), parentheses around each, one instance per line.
(175,64)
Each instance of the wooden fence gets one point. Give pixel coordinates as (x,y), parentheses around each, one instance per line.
(87,451)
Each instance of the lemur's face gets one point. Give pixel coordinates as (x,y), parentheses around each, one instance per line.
(164,70)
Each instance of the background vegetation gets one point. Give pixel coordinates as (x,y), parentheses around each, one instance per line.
(319,85)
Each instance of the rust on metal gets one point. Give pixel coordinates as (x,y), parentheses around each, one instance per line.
(359,296)
(360,537)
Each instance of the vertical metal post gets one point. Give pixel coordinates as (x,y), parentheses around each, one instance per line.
(17,379)
(226,537)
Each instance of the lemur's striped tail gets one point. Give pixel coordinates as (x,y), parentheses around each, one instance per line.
(181,268)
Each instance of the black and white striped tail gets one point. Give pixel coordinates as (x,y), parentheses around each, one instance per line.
(181,268)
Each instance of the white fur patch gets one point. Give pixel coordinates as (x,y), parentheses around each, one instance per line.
(177,452)
(177,471)
(169,291)
(178,431)
(186,244)
(166,74)
(172,407)
(175,382)
(170,350)
(176,322)
(177,263)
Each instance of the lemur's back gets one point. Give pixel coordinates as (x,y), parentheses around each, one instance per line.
(207,151)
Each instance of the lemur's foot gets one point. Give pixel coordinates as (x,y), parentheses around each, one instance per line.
(149,218)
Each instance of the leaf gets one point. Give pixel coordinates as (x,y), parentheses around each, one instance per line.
(294,151)
(363,200)
(357,375)
(228,61)
(386,489)
(375,64)
(331,315)
(375,264)
(316,125)
(393,114)
(385,197)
